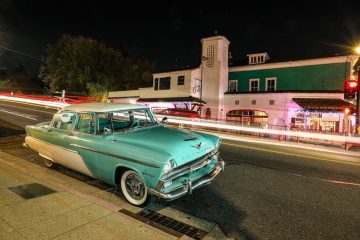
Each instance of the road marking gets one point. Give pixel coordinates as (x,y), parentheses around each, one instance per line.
(19,115)
(31,109)
(326,180)
(292,154)
(341,182)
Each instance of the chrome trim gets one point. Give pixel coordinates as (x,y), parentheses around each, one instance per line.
(160,185)
(196,164)
(222,165)
(117,156)
(189,186)
(54,145)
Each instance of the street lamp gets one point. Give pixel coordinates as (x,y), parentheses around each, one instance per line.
(357,50)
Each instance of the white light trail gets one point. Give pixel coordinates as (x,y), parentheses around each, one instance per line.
(39,102)
(271,142)
(218,125)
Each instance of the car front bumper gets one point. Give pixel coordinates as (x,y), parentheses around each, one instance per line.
(189,185)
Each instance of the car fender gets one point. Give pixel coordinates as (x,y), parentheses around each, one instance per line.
(149,178)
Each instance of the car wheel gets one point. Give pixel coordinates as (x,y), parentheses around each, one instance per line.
(134,188)
(48,163)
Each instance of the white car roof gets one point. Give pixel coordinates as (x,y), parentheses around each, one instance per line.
(103,107)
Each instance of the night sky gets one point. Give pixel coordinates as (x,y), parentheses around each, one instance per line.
(169,34)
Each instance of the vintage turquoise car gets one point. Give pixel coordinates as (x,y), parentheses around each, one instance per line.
(124,145)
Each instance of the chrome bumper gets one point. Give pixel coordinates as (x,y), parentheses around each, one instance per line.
(189,186)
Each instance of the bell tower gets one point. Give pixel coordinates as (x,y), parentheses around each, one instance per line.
(214,72)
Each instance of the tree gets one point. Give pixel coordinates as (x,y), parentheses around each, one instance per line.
(80,65)
(138,73)
(98,91)
(19,78)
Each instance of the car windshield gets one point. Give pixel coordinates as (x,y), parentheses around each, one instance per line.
(122,120)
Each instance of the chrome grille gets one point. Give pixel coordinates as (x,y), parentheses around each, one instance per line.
(190,166)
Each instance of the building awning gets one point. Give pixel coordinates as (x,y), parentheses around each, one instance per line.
(173,99)
(322,104)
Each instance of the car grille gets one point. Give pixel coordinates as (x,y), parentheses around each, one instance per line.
(189,167)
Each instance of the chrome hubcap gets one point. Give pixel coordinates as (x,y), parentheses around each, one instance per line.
(135,186)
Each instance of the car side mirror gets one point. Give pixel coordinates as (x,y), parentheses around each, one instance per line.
(107,131)
(164,120)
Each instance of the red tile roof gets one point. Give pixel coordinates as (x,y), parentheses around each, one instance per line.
(328,104)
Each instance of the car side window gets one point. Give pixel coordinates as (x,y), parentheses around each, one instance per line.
(140,117)
(64,123)
(131,119)
(86,123)
(105,121)
(121,120)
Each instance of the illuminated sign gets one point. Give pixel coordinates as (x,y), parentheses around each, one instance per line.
(330,117)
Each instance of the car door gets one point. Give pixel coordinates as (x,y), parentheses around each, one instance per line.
(56,145)
(83,139)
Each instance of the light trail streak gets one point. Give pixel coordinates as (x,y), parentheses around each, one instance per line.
(293,154)
(272,143)
(39,102)
(347,139)
(219,125)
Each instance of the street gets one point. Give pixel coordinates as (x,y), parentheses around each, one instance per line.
(266,192)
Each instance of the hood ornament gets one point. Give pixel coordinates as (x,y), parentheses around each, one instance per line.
(197,146)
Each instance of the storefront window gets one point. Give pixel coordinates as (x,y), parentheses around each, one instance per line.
(298,121)
(316,121)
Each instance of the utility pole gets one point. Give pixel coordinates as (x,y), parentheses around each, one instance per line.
(357,111)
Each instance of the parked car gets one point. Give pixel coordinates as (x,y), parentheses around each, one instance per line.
(181,112)
(124,145)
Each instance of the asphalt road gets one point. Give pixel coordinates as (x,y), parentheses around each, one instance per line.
(266,191)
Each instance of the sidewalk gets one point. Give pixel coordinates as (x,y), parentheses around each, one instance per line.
(74,210)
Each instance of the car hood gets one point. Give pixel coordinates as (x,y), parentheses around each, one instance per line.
(182,145)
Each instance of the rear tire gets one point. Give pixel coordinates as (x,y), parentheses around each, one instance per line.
(134,188)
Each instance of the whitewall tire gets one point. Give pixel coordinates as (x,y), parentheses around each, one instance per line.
(134,188)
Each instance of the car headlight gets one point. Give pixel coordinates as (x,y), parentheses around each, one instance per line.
(168,166)
(217,146)
(218,143)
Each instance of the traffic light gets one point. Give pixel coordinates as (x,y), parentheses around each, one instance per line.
(349,110)
(350,89)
